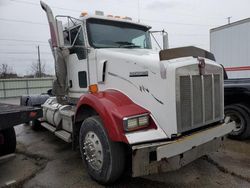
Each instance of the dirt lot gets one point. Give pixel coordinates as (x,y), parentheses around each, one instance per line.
(43,160)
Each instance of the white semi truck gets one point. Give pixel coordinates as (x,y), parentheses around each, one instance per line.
(127,106)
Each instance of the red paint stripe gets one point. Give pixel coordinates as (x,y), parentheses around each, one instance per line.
(244,68)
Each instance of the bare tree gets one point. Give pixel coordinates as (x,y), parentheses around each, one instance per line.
(36,71)
(7,71)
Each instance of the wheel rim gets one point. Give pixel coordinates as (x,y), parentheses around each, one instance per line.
(93,150)
(239,121)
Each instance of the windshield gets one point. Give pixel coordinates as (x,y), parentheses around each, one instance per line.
(112,34)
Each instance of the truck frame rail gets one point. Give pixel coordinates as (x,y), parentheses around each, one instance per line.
(11,115)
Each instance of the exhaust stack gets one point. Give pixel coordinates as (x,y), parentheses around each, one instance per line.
(60,88)
(52,24)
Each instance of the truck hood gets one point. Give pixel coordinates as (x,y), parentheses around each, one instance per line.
(139,56)
(153,84)
(132,51)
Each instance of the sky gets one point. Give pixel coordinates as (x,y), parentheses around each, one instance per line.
(23,24)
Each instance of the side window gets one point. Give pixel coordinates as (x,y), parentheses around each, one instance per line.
(77,42)
(82,78)
(140,41)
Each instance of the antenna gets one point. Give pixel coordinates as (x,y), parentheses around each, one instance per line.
(138,10)
(229,19)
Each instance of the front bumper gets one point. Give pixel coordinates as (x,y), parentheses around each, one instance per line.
(171,155)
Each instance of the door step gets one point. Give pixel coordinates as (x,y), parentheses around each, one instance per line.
(64,135)
(48,126)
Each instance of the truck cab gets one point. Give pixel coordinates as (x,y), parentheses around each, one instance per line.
(125,104)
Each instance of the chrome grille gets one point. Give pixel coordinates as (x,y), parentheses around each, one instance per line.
(186,102)
(217,98)
(199,101)
(208,97)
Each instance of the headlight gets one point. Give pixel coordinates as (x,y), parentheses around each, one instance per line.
(136,122)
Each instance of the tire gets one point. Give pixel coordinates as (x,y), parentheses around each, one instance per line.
(7,141)
(241,115)
(36,125)
(26,123)
(109,161)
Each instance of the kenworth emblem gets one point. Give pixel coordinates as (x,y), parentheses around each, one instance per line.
(201,65)
(138,74)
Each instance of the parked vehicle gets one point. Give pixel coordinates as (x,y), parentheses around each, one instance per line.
(11,115)
(230,45)
(237,106)
(126,105)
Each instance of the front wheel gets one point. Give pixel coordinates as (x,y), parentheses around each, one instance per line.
(104,159)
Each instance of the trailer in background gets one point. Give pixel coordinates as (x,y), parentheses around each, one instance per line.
(231,46)
(11,115)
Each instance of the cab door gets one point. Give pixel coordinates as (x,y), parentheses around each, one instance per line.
(77,65)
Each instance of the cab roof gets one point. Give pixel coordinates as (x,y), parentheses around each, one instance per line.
(115,19)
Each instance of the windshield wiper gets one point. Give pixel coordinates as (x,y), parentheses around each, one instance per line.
(126,44)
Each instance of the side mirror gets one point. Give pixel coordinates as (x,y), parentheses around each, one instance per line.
(165,40)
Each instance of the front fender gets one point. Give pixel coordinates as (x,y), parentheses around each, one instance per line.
(112,106)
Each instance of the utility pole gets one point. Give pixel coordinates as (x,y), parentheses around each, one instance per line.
(229,19)
(138,10)
(39,62)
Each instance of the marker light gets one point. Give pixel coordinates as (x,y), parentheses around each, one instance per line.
(136,122)
(99,13)
(93,88)
(127,18)
(84,14)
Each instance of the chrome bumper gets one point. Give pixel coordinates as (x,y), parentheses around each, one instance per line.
(171,155)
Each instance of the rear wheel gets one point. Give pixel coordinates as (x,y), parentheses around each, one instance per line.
(26,123)
(104,159)
(7,141)
(241,115)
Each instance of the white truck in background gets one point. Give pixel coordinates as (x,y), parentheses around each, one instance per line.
(127,106)
(230,45)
